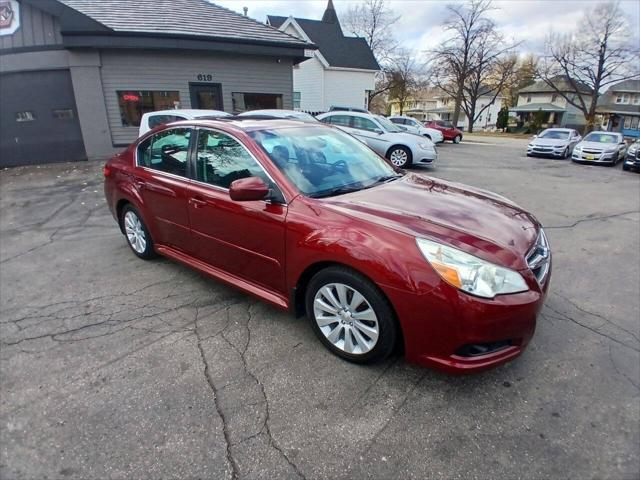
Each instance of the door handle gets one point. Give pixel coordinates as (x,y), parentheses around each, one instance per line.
(140,183)
(197,202)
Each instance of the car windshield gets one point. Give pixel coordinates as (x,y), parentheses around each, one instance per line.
(554,135)
(322,161)
(387,125)
(601,138)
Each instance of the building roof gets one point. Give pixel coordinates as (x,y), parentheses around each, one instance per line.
(337,49)
(631,86)
(535,107)
(189,18)
(560,81)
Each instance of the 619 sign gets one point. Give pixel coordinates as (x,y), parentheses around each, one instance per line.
(204,77)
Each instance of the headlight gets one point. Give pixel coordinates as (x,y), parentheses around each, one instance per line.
(425,146)
(560,147)
(632,149)
(470,274)
(531,145)
(612,149)
(577,148)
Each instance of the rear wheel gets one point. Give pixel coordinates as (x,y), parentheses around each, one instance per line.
(565,154)
(136,233)
(457,139)
(626,167)
(399,156)
(350,315)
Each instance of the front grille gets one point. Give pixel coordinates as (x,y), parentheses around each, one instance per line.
(543,149)
(592,151)
(539,257)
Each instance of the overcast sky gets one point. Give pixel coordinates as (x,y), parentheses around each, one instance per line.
(419,27)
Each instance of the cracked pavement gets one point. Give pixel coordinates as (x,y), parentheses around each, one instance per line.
(112,367)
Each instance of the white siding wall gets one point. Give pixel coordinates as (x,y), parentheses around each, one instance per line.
(308,79)
(541,98)
(151,70)
(347,88)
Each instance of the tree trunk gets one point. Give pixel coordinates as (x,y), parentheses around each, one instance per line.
(457,106)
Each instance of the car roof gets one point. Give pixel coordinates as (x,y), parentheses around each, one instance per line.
(247,123)
(560,129)
(189,112)
(350,114)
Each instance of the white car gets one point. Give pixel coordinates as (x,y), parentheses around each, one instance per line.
(414,126)
(279,113)
(150,120)
(554,142)
(385,138)
(600,147)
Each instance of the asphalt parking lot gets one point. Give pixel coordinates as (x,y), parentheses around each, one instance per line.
(112,367)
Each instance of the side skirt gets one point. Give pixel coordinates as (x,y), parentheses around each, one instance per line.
(269,296)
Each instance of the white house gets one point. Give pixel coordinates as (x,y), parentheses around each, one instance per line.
(341,72)
(445,104)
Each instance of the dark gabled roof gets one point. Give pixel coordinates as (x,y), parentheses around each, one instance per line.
(627,86)
(337,49)
(607,101)
(188,18)
(560,81)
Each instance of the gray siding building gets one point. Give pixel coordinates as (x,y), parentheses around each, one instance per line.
(77,75)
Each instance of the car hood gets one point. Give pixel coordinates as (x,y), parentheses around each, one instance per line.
(549,142)
(597,145)
(476,221)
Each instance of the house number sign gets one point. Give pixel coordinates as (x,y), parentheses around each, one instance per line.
(204,77)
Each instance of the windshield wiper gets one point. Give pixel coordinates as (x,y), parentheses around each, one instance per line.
(386,179)
(337,191)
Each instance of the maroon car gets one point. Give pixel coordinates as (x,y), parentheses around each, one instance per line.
(448,130)
(309,219)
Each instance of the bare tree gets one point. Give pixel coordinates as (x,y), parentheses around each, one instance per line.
(599,54)
(525,73)
(404,77)
(467,25)
(372,20)
(476,62)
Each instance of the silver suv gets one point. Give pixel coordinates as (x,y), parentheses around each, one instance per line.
(383,137)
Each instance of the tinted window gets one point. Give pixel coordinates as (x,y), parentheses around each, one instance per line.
(221,159)
(255,101)
(155,120)
(602,138)
(342,120)
(166,151)
(364,124)
(399,121)
(555,134)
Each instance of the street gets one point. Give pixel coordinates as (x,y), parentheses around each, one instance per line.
(112,367)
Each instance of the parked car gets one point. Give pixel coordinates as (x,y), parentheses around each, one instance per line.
(341,108)
(554,142)
(311,220)
(414,126)
(600,147)
(150,120)
(632,159)
(388,140)
(279,113)
(447,128)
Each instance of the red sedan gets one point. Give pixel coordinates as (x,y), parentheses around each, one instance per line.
(449,132)
(311,220)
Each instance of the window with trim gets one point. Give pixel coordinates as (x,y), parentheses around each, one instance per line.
(221,159)
(255,101)
(529,99)
(167,151)
(63,114)
(554,97)
(622,98)
(636,100)
(296,100)
(26,116)
(135,103)
(365,124)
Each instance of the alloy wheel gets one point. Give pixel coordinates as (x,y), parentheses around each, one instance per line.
(346,318)
(398,157)
(135,232)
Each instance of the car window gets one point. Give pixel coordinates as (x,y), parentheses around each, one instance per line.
(398,121)
(387,125)
(220,159)
(155,120)
(601,138)
(555,134)
(166,151)
(342,120)
(364,124)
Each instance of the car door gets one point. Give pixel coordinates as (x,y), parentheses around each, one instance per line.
(161,178)
(246,239)
(372,134)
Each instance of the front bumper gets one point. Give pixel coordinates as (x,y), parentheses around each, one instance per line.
(604,157)
(546,151)
(458,333)
(631,161)
(425,157)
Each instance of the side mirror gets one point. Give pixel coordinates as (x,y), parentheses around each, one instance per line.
(380,132)
(248,189)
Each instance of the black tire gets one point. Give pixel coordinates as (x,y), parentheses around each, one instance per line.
(457,139)
(626,167)
(148,252)
(566,153)
(387,325)
(426,135)
(399,148)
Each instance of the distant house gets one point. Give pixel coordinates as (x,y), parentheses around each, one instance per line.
(341,72)
(541,97)
(445,105)
(620,108)
(416,106)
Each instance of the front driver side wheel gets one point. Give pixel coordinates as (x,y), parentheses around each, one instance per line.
(350,315)
(399,156)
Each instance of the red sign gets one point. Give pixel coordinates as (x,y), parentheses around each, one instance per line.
(129,97)
(6,14)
